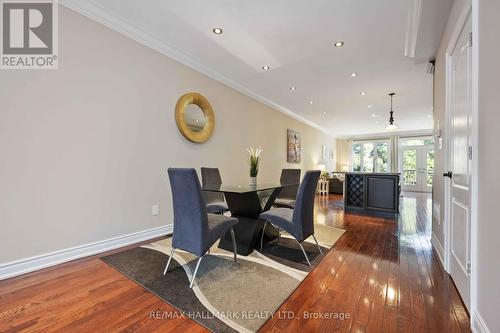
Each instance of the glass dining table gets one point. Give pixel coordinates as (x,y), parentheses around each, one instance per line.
(247,202)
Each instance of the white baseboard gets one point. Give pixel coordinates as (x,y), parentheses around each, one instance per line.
(478,324)
(439,249)
(26,265)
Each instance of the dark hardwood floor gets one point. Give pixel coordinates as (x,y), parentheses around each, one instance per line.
(380,276)
(384,275)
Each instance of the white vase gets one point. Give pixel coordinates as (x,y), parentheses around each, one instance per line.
(253,181)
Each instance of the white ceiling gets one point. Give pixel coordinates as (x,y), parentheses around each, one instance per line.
(295,38)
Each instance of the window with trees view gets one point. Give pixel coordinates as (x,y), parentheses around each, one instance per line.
(370,156)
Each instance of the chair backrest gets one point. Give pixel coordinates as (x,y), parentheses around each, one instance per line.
(190,211)
(303,214)
(289,176)
(211,177)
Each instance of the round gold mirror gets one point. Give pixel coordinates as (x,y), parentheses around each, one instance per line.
(194,117)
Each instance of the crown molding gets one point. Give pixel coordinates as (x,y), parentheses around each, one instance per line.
(100,15)
(414,13)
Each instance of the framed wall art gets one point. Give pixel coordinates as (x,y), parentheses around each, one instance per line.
(294,148)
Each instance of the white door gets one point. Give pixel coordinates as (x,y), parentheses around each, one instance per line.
(460,108)
(417,168)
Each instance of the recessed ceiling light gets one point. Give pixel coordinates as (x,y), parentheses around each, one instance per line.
(354,74)
(310,102)
(293,87)
(324,112)
(362,93)
(339,43)
(217,31)
(374,115)
(266,68)
(369,106)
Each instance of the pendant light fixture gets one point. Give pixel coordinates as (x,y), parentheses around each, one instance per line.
(391,126)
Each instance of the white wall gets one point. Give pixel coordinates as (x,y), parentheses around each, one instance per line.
(488,248)
(84,149)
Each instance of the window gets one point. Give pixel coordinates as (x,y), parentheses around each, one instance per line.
(370,156)
(424,141)
(410,167)
(356,157)
(430,167)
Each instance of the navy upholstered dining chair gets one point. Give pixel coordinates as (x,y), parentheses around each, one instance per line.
(210,177)
(298,222)
(288,194)
(195,230)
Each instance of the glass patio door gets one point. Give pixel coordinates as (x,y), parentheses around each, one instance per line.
(417,168)
(427,168)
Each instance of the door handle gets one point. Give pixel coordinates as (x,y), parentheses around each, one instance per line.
(448,174)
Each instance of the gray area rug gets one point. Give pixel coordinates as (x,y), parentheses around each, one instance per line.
(227,296)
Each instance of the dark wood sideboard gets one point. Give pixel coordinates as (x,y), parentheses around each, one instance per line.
(374,194)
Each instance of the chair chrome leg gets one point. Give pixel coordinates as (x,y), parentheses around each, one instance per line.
(195,271)
(169,259)
(234,243)
(262,237)
(317,244)
(305,254)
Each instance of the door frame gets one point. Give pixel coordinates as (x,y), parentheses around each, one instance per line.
(470,8)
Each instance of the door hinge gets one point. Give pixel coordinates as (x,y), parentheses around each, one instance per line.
(469,153)
(468,267)
(470,39)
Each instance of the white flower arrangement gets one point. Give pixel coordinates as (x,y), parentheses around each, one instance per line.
(253,159)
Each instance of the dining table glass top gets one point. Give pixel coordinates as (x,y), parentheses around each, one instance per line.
(236,188)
